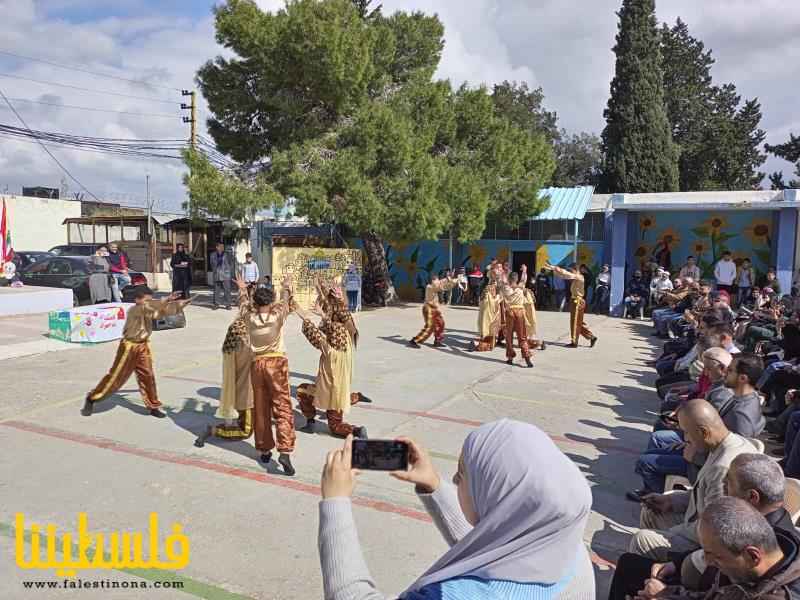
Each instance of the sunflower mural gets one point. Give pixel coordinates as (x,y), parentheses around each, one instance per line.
(502,254)
(759,233)
(477,254)
(642,254)
(646,223)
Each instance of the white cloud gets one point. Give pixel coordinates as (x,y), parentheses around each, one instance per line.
(562,45)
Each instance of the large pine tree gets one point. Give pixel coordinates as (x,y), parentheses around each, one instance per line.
(640,155)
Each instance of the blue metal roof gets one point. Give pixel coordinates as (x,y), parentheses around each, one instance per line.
(566,203)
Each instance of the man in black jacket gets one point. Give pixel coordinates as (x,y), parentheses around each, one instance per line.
(755,478)
(636,295)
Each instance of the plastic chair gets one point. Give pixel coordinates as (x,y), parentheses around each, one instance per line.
(758,444)
(791,500)
(673,480)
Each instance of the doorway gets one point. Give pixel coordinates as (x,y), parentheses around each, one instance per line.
(524,258)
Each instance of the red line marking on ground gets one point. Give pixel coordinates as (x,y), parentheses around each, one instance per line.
(185,461)
(468,422)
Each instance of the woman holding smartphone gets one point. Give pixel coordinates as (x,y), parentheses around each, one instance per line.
(515,530)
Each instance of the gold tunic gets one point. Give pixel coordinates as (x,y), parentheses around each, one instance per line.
(266,329)
(489,315)
(139,322)
(432,290)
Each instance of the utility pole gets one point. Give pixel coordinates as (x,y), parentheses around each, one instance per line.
(192,120)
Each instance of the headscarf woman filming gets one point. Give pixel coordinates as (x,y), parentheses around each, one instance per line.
(514,518)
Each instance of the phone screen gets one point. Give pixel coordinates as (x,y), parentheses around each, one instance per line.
(380,455)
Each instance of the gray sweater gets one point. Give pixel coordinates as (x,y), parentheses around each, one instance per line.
(345,574)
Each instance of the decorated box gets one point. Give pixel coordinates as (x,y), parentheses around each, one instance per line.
(89,324)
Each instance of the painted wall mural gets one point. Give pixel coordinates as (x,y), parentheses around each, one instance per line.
(669,237)
(305,265)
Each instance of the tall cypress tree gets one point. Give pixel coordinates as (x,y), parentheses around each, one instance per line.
(640,155)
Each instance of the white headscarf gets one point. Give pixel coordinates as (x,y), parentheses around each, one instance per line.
(532,504)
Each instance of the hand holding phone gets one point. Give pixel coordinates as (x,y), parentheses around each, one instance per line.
(421,471)
(380,455)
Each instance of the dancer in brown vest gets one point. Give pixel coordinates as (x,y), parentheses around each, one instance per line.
(577,306)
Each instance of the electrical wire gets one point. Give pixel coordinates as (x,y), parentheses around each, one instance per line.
(75,87)
(82,70)
(103,110)
(58,162)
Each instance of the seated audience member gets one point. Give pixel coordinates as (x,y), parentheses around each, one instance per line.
(636,296)
(791,446)
(660,285)
(514,529)
(664,454)
(763,325)
(741,413)
(678,302)
(689,367)
(769,283)
(754,478)
(669,521)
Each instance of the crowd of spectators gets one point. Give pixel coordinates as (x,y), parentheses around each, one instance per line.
(713,519)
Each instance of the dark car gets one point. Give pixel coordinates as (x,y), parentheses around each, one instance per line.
(72,272)
(75,249)
(25,259)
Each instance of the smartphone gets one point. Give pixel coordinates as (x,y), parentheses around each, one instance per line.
(380,455)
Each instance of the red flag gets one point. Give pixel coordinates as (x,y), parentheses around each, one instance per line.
(4,235)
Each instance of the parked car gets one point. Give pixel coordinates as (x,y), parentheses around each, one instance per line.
(75,249)
(72,272)
(25,258)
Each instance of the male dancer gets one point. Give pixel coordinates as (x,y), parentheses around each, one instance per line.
(335,338)
(577,307)
(236,398)
(434,321)
(513,294)
(269,371)
(134,354)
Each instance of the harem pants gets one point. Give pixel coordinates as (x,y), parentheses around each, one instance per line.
(515,324)
(131,357)
(272,400)
(577,326)
(336,423)
(434,324)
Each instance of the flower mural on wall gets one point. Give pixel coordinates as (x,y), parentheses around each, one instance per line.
(646,222)
(759,232)
(699,248)
(477,254)
(585,256)
(715,223)
(642,254)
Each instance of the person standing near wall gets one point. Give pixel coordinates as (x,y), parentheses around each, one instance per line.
(118,265)
(181,264)
(352,285)
(250,273)
(725,273)
(222,270)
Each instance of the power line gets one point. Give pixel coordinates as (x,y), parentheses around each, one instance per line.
(58,162)
(75,87)
(103,110)
(82,70)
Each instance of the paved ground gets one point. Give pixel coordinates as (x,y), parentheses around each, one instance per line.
(252,530)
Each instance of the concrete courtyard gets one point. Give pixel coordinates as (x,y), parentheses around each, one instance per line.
(253,531)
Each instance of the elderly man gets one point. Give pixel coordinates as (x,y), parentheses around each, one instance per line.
(669,521)
(754,478)
(222,269)
(664,454)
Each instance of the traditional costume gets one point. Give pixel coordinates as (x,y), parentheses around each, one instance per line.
(513,295)
(335,338)
(133,356)
(489,320)
(269,375)
(434,321)
(236,397)
(577,306)
(530,321)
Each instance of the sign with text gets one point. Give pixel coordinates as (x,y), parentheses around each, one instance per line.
(305,265)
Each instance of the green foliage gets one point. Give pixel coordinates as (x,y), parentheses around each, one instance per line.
(525,108)
(340,99)
(578,159)
(719,141)
(788,151)
(640,155)
(217,193)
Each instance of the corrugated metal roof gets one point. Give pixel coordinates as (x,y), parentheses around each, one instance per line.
(566,203)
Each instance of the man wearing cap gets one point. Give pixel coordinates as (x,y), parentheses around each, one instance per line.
(577,306)
(660,285)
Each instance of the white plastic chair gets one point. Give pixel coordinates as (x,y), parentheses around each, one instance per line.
(758,444)
(673,480)
(791,500)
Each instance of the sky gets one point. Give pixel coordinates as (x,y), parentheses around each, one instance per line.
(564,46)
